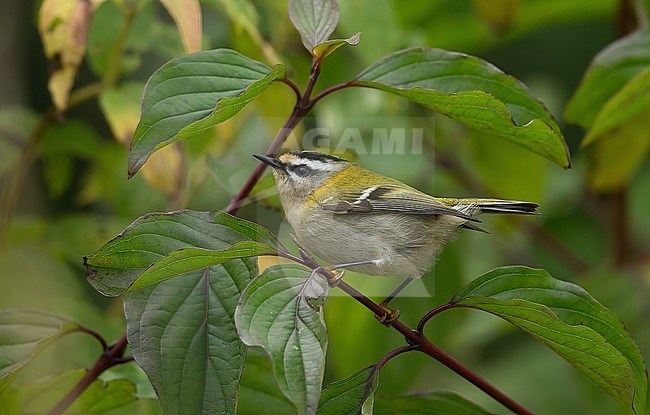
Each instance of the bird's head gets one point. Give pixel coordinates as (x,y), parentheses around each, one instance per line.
(299,173)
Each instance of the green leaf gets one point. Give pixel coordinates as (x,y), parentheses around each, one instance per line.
(114,267)
(192,259)
(325,49)
(471,91)
(182,333)
(630,101)
(314,19)
(24,333)
(352,395)
(609,71)
(618,154)
(194,92)
(108,21)
(569,321)
(121,107)
(100,397)
(280,311)
(433,403)
(258,391)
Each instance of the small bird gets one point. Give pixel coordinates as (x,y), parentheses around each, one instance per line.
(353,217)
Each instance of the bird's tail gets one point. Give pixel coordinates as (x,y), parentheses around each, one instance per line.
(475,206)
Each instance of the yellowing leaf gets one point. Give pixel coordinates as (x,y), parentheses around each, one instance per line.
(164,171)
(63,26)
(187,15)
(244,14)
(121,107)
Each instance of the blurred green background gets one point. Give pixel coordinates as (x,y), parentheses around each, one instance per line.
(65,190)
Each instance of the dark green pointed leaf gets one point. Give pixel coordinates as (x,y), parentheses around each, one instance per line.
(114,267)
(24,333)
(182,333)
(194,92)
(610,70)
(352,395)
(314,19)
(276,312)
(192,259)
(473,92)
(569,321)
(327,48)
(433,403)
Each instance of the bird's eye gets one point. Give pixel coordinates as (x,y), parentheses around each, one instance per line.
(302,171)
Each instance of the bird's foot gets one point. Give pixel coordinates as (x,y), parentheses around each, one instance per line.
(389,317)
(336,277)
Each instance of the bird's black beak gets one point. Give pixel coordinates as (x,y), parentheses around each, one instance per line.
(271,161)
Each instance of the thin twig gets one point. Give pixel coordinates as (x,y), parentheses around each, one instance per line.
(389,356)
(415,337)
(327,91)
(277,143)
(428,348)
(99,337)
(432,314)
(293,86)
(113,356)
(626,23)
(300,110)
(313,77)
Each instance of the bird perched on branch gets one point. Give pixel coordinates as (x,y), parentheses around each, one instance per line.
(353,217)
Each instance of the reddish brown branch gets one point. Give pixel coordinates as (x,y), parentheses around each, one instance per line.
(425,346)
(415,337)
(112,356)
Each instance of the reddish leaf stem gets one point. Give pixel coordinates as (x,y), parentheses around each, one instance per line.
(417,338)
(425,346)
(112,356)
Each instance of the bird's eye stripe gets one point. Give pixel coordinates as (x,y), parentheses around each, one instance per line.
(300,170)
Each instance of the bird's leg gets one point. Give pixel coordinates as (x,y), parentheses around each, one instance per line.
(333,282)
(392,314)
(304,254)
(355,264)
(395,292)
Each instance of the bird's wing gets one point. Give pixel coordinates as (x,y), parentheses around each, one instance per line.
(390,199)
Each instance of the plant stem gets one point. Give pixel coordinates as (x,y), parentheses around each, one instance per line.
(414,337)
(12,192)
(626,23)
(327,91)
(277,143)
(425,346)
(302,107)
(424,320)
(114,355)
(113,67)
